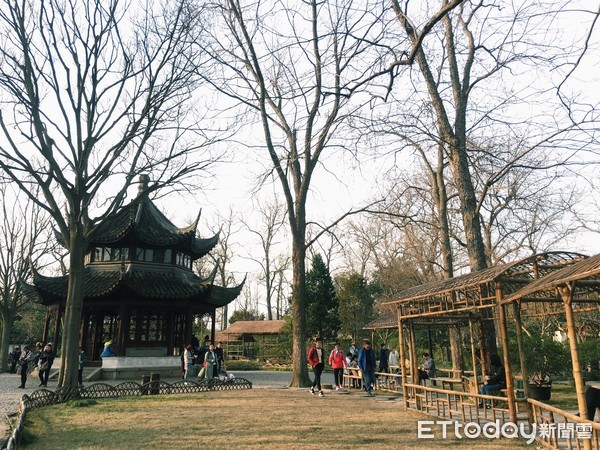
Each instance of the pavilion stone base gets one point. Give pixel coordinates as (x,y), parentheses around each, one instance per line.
(133,367)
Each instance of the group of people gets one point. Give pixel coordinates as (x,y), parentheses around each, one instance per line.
(27,360)
(339,361)
(206,361)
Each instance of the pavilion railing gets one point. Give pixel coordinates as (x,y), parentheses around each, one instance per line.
(558,429)
(458,405)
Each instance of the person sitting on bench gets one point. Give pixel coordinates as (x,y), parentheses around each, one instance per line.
(495,380)
(592,400)
(427,369)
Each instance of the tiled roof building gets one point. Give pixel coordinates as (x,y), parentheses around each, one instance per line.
(140,289)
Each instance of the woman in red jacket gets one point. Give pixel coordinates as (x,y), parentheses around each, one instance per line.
(316,358)
(337,361)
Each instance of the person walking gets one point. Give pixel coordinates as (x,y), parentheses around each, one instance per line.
(367,363)
(383,359)
(188,361)
(337,361)
(14,357)
(211,363)
(220,357)
(394,359)
(82,358)
(317,362)
(45,364)
(24,361)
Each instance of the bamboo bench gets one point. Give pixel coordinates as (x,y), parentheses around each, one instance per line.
(353,373)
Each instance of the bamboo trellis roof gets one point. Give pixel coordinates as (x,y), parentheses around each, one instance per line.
(477,290)
(583,277)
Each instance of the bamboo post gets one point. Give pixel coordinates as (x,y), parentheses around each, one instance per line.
(402,356)
(473,356)
(412,349)
(521,346)
(566,293)
(482,349)
(510,390)
(412,354)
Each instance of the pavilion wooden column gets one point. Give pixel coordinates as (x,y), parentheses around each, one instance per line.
(189,320)
(170,318)
(213,326)
(473,356)
(566,293)
(83,331)
(510,389)
(46,325)
(122,329)
(402,356)
(56,328)
(521,347)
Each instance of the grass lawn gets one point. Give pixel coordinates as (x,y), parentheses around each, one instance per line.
(257,418)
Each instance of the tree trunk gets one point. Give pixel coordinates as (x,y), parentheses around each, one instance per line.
(69,362)
(299,369)
(5,338)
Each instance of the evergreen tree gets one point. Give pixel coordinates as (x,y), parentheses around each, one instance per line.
(322,311)
(356,300)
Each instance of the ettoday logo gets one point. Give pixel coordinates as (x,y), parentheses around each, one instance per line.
(474,430)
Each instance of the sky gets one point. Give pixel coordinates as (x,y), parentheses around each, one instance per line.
(342,186)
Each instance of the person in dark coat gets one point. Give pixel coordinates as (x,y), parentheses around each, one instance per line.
(220,356)
(592,400)
(14,359)
(383,359)
(495,380)
(24,361)
(45,364)
(367,363)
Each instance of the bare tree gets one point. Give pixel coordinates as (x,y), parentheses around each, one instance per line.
(21,224)
(95,93)
(272,267)
(299,69)
(220,257)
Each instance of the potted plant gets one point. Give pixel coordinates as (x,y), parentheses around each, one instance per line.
(545,359)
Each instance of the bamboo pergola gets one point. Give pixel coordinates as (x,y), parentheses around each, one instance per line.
(546,283)
(573,289)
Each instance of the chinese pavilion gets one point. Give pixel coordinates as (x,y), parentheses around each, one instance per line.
(140,289)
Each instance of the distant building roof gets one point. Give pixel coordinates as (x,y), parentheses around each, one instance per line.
(254,327)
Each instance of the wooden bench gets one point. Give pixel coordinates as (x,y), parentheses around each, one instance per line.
(352,373)
(447,383)
(388,381)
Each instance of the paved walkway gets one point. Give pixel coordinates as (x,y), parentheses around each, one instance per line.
(10,394)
